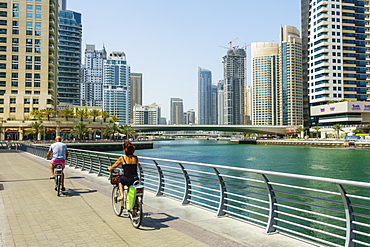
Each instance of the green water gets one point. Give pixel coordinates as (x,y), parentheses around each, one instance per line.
(339,163)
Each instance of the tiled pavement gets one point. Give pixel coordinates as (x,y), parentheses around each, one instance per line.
(32,215)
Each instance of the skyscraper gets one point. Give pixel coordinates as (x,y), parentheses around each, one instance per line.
(204,96)
(116,92)
(290,78)
(92,85)
(265,61)
(220,102)
(136,89)
(234,76)
(335,39)
(28,57)
(69,51)
(177,111)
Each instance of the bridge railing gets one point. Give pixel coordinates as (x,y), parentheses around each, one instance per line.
(326,211)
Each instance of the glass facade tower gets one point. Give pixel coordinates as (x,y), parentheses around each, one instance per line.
(204,97)
(69,67)
(116,92)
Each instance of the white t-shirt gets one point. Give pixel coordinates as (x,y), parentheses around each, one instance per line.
(59,150)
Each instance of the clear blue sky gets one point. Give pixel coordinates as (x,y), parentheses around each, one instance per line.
(167,40)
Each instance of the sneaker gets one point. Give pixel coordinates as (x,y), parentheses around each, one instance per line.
(63,189)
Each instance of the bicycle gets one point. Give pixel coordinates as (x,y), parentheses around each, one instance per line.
(132,199)
(58,173)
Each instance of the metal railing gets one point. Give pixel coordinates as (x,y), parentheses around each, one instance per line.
(326,211)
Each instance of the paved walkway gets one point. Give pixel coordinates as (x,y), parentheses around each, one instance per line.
(32,215)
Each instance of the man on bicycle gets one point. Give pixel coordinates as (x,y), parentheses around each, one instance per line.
(59,156)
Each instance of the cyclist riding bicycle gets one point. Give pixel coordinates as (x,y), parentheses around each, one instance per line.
(129,164)
(59,156)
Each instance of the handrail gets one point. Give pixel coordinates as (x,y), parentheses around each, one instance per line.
(327,211)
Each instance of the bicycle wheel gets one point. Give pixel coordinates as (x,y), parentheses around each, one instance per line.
(58,185)
(136,213)
(117,205)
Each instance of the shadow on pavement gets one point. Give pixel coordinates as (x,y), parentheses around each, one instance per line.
(77,192)
(155,221)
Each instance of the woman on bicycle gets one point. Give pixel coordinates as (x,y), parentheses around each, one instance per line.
(129,164)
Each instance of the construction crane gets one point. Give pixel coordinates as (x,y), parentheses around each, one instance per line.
(231,43)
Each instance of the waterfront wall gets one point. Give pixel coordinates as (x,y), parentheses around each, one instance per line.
(313,143)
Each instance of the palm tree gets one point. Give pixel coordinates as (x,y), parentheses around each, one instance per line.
(47,112)
(114,119)
(300,129)
(80,130)
(2,131)
(105,115)
(338,128)
(37,128)
(358,131)
(317,128)
(66,112)
(112,129)
(81,113)
(127,130)
(36,113)
(94,113)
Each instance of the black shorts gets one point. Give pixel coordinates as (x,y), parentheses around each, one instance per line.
(127,180)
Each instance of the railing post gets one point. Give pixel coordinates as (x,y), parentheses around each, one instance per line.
(350,218)
(141,173)
(223,196)
(91,164)
(100,166)
(83,162)
(270,228)
(187,189)
(160,180)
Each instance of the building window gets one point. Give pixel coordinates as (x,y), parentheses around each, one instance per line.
(15,27)
(1,110)
(38,29)
(15,10)
(27,101)
(29,14)
(14,92)
(3,22)
(12,109)
(38,12)
(29,28)
(2,66)
(26,110)
(2,83)
(36,101)
(12,100)
(28,92)
(1,101)
(36,92)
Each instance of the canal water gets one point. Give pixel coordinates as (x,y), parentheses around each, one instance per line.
(339,163)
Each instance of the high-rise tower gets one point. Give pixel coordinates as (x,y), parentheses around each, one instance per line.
(177,111)
(204,96)
(335,39)
(92,85)
(290,78)
(136,89)
(265,62)
(28,57)
(69,61)
(234,76)
(116,92)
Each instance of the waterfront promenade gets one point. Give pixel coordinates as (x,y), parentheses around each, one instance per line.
(32,215)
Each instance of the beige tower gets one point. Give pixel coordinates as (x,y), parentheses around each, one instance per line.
(290,78)
(265,60)
(28,57)
(136,90)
